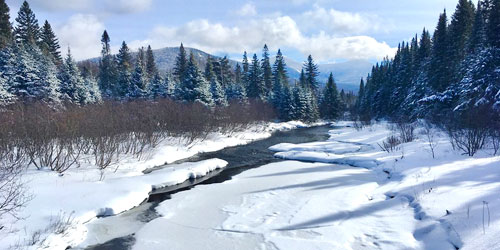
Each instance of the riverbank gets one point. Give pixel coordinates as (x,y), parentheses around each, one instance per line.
(54,218)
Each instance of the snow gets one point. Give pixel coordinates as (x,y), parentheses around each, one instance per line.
(401,200)
(82,194)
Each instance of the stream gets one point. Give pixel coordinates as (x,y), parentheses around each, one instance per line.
(117,232)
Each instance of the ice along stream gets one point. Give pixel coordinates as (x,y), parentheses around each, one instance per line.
(117,232)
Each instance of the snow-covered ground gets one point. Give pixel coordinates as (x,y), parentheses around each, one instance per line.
(62,204)
(375,200)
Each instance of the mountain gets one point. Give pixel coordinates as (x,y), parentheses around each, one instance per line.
(347,74)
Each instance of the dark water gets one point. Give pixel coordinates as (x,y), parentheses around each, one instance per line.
(239,158)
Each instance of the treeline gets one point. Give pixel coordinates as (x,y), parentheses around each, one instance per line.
(451,79)
(32,69)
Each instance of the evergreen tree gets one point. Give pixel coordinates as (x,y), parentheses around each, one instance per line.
(209,69)
(361,94)
(181,65)
(194,88)
(439,70)
(139,82)
(256,87)
(158,87)
(267,74)
(124,70)
(27,29)
(330,107)
(151,67)
(238,78)
(107,68)
(494,24)
(217,92)
(5,96)
(5,25)
(311,73)
(72,86)
(459,32)
(281,98)
(478,39)
(50,43)
(224,72)
(425,47)
(246,69)
(92,86)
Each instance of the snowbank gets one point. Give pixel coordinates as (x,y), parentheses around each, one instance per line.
(66,202)
(454,197)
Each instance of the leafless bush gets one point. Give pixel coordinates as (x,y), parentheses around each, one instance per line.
(56,139)
(406,131)
(390,144)
(495,140)
(470,131)
(429,131)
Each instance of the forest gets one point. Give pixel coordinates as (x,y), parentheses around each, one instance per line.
(450,79)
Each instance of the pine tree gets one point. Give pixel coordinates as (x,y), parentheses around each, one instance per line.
(194,88)
(238,78)
(107,68)
(361,95)
(151,67)
(478,39)
(50,44)
(181,64)
(5,25)
(5,96)
(267,73)
(280,88)
(330,107)
(124,70)
(256,87)
(425,47)
(27,29)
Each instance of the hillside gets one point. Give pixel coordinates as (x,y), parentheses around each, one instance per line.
(347,74)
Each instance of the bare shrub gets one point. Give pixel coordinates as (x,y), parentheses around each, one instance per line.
(406,131)
(390,144)
(470,131)
(429,131)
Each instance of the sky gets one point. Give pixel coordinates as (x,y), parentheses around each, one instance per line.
(330,30)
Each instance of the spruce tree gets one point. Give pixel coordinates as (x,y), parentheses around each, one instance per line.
(27,29)
(209,69)
(256,88)
(330,107)
(238,78)
(194,88)
(73,88)
(181,64)
(151,67)
(425,46)
(107,68)
(478,39)
(459,32)
(224,72)
(91,85)
(5,96)
(218,93)
(158,87)
(494,24)
(311,73)
(246,68)
(139,82)
(124,70)
(5,25)
(439,68)
(50,44)
(267,74)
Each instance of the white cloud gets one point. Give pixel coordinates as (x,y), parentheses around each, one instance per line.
(128,6)
(276,32)
(104,6)
(247,10)
(339,22)
(54,5)
(83,34)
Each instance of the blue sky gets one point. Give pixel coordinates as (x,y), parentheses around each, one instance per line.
(330,30)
